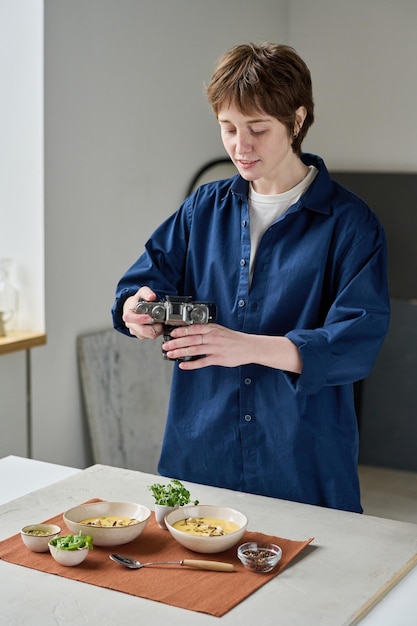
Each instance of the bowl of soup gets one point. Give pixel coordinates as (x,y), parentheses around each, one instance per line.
(206,528)
(37,536)
(108,523)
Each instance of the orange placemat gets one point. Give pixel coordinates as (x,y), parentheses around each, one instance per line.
(209,592)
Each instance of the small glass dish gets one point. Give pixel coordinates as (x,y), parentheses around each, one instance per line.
(259,557)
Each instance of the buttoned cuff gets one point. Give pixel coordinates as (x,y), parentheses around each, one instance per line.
(315,354)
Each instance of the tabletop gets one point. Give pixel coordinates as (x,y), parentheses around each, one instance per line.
(19,476)
(353,561)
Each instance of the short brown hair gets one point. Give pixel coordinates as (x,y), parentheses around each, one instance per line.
(269,78)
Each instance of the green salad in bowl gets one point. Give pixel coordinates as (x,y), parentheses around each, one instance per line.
(70,550)
(72,542)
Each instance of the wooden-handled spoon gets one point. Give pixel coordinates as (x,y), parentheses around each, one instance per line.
(216,566)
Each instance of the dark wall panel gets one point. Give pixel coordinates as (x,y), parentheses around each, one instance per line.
(393,197)
(387,399)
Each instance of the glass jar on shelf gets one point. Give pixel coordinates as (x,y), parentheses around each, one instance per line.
(8,298)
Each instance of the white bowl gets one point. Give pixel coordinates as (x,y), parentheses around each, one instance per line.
(160,512)
(69,558)
(207,545)
(39,543)
(110,536)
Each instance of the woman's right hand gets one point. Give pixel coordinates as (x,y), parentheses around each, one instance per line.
(141,326)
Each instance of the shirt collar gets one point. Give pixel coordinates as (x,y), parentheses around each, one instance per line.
(316,198)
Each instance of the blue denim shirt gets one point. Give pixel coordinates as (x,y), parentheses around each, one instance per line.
(320,279)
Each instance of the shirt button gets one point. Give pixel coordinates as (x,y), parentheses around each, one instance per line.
(244,222)
(248,381)
(248,418)
(241,303)
(242,262)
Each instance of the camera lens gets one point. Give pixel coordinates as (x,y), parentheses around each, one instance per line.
(142,308)
(158,313)
(198,315)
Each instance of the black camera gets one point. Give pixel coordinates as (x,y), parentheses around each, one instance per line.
(178,311)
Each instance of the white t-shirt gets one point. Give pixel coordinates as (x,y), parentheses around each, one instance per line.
(264,210)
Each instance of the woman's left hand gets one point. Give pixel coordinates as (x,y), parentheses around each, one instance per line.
(215,344)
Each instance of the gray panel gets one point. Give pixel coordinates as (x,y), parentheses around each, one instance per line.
(126,384)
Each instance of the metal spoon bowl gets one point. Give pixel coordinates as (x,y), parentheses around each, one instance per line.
(216,566)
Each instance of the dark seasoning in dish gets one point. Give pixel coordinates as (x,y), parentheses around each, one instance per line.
(259,558)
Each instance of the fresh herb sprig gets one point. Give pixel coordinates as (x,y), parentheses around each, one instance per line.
(72,542)
(171,494)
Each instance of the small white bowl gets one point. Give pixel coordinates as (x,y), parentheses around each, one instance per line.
(207,545)
(69,558)
(160,512)
(39,542)
(108,536)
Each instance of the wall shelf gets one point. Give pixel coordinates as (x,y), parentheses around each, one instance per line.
(21,340)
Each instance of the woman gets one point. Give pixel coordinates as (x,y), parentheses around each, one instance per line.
(296,265)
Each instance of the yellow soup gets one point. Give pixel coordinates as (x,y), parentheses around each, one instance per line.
(38,532)
(206,526)
(109,521)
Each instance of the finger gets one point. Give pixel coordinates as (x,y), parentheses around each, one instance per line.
(185,347)
(195,364)
(191,330)
(146,293)
(134,332)
(154,330)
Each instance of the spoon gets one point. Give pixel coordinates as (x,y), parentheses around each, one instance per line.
(216,566)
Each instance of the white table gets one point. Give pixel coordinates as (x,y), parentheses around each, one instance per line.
(19,476)
(327,586)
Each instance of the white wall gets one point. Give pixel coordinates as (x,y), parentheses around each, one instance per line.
(363,57)
(21,154)
(21,197)
(127,125)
